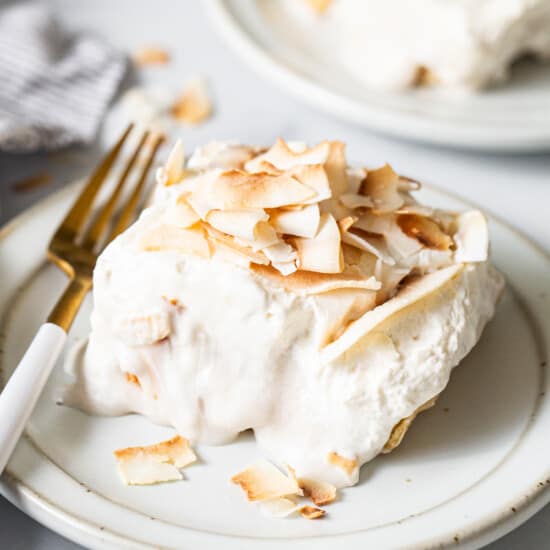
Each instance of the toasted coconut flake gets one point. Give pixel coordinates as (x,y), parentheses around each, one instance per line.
(151,55)
(319,6)
(239,223)
(265,236)
(408,184)
(300,223)
(227,254)
(355,177)
(418,209)
(235,190)
(132,378)
(145,470)
(399,245)
(425,77)
(285,268)
(264,481)
(308,283)
(425,231)
(375,223)
(180,214)
(347,464)
(238,248)
(155,463)
(412,293)
(310,512)
(382,186)
(335,167)
(320,492)
(313,176)
(283,157)
(471,237)
(264,167)
(174,164)
(350,200)
(220,154)
(390,276)
(168,237)
(194,105)
(279,507)
(345,223)
(323,253)
(280,253)
(369,243)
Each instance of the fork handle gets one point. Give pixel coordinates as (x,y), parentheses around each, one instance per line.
(25,385)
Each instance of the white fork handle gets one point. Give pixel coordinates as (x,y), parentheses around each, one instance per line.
(25,385)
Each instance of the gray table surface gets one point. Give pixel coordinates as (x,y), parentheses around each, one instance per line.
(249,109)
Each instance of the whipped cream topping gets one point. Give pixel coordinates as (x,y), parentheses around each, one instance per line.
(457,43)
(282,291)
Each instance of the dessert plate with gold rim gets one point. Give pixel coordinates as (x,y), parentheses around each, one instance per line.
(293,50)
(469,470)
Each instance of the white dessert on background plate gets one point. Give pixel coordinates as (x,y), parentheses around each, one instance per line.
(281,290)
(470,44)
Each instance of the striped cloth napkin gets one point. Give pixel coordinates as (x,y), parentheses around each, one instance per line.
(54,85)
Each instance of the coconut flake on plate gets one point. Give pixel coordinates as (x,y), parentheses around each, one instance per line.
(310,512)
(264,481)
(320,492)
(279,507)
(150,55)
(156,463)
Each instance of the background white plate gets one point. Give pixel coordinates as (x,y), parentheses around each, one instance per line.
(468,471)
(293,54)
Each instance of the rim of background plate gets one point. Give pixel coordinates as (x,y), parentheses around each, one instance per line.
(84,531)
(403,125)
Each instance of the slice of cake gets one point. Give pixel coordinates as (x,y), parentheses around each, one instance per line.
(456,43)
(281,290)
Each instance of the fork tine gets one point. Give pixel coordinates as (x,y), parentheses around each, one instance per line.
(128,212)
(76,217)
(94,233)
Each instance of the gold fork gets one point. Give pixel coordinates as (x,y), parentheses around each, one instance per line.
(74,248)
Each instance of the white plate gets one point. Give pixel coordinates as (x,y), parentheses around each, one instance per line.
(293,54)
(468,471)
